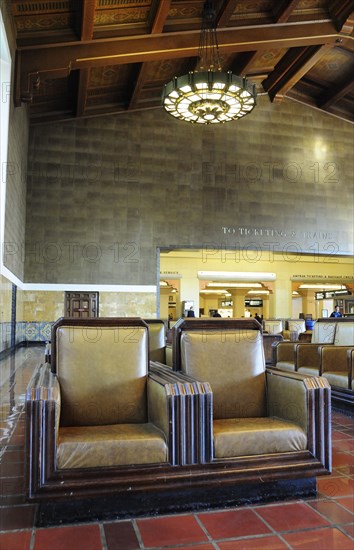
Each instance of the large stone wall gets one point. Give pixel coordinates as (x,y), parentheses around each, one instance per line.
(15,216)
(103,193)
(15,171)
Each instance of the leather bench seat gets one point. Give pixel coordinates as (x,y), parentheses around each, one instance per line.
(255,436)
(337,379)
(101,446)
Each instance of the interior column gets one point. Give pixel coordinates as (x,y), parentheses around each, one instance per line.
(238,302)
(189,290)
(283,298)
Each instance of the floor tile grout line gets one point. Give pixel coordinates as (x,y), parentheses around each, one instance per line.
(137,532)
(274,532)
(281,533)
(333,523)
(33,537)
(341,529)
(203,528)
(103,536)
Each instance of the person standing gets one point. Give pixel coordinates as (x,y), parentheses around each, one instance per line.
(190,312)
(258,318)
(336,312)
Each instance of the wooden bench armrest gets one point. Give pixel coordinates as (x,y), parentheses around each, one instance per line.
(305,400)
(193,413)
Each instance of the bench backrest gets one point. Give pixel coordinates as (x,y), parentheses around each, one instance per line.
(157,340)
(344,335)
(323,332)
(232,361)
(296,325)
(273,326)
(102,370)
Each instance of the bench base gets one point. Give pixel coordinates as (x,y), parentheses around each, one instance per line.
(117,507)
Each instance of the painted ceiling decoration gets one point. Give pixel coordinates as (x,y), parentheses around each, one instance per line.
(79,58)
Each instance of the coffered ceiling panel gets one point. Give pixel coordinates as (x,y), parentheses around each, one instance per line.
(78,58)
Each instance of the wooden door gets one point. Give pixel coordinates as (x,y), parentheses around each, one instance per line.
(81,304)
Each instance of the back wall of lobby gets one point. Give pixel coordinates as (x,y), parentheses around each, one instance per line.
(103,193)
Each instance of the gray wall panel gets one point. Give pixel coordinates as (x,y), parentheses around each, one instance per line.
(104,192)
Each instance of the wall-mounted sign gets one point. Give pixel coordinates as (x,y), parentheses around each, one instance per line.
(254,303)
(170,275)
(328,278)
(328,294)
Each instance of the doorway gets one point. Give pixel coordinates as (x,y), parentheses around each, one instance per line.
(81,304)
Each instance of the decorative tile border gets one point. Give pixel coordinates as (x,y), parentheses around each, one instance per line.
(37,332)
(5,335)
(25,332)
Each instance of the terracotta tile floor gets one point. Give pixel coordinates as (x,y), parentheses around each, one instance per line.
(325,522)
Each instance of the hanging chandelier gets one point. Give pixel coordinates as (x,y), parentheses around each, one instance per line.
(208,95)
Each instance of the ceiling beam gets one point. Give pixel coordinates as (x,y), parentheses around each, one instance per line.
(139,49)
(160,16)
(87,19)
(156,28)
(123,50)
(342,14)
(243,63)
(284,10)
(291,68)
(84,76)
(335,93)
(139,83)
(225,13)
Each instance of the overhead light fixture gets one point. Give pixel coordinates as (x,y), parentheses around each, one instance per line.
(233,276)
(221,292)
(323,287)
(258,292)
(208,95)
(234,285)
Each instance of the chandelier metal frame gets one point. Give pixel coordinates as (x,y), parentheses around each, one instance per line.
(208,95)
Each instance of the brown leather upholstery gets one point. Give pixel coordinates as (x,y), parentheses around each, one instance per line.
(350,355)
(269,343)
(255,436)
(97,421)
(336,365)
(157,339)
(282,430)
(324,356)
(285,353)
(254,413)
(233,363)
(102,373)
(291,356)
(102,446)
(159,349)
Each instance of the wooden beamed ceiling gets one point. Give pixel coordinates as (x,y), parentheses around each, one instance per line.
(78,58)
